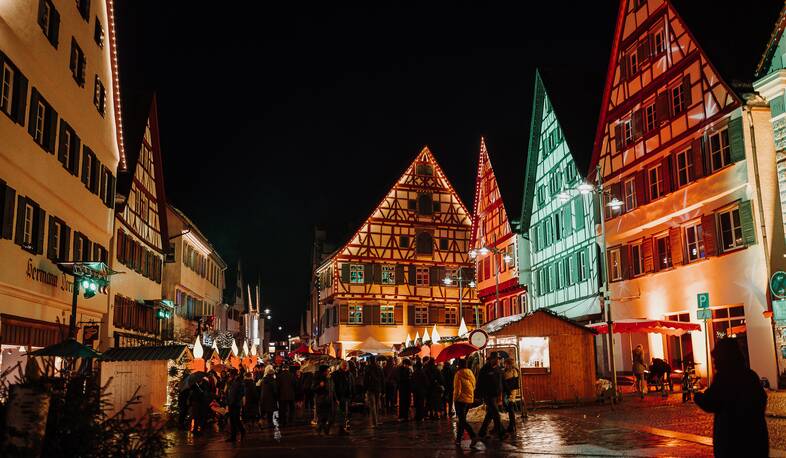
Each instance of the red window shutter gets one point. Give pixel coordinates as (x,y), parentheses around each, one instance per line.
(662,109)
(708,230)
(636,124)
(668,174)
(686,90)
(398,314)
(641,188)
(119,244)
(647,255)
(623,67)
(343,313)
(618,137)
(698,159)
(675,242)
(624,262)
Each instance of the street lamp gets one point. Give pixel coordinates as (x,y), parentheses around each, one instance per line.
(483,251)
(586,188)
(449,281)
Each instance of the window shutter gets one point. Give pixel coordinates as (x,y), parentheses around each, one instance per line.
(668,174)
(434,277)
(7,214)
(398,314)
(20,220)
(50,129)
(641,188)
(345,272)
(110,192)
(33,109)
(412,274)
(647,255)
(19,109)
(368,312)
(686,90)
(623,67)
(39,222)
(95,173)
(77,237)
(746,218)
(377,273)
(675,245)
(61,144)
(88,245)
(76,145)
(567,223)
(368,273)
(50,242)
(643,50)
(698,159)
(54,27)
(573,262)
(85,163)
(736,141)
(636,124)
(618,136)
(425,204)
(411,315)
(709,233)
(343,313)
(625,262)
(65,242)
(662,110)
(399,274)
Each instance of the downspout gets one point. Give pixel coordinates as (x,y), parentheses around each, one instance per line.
(750,100)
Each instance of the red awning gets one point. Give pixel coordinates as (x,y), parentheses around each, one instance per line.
(671,328)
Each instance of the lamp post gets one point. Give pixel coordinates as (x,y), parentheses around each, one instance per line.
(586,188)
(483,251)
(460,278)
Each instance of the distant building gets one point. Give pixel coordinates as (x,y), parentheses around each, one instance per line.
(387,281)
(139,314)
(59,150)
(194,280)
(320,251)
(493,245)
(693,164)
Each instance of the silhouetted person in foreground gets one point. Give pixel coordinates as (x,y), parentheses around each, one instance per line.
(738,401)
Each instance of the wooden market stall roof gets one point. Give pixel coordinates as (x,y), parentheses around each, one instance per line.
(146,353)
(499,324)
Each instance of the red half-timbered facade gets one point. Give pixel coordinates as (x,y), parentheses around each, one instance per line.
(387,281)
(676,145)
(498,286)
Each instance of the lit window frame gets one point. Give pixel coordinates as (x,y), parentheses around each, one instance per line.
(357,274)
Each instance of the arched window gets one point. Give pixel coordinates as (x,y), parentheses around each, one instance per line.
(424,243)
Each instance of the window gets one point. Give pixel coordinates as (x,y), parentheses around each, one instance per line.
(568,265)
(677,100)
(55,238)
(720,153)
(424,170)
(453,275)
(555,182)
(49,20)
(630,194)
(78,63)
(356,273)
(627,132)
(558,275)
(730,229)
(99,96)
(649,117)
(6,88)
(39,122)
(388,275)
(98,34)
(355,314)
(558,224)
(694,238)
(403,241)
(684,167)
(424,243)
(633,62)
(444,244)
(422,276)
(534,353)
(541,195)
(730,322)
(636,259)
(570,173)
(658,43)
(84,8)
(412,204)
(451,315)
(680,348)
(663,248)
(386,314)
(27,229)
(656,181)
(615,266)
(421,314)
(581,267)
(425,204)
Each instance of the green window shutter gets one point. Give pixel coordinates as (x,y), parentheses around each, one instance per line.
(578,211)
(345,272)
(736,141)
(746,218)
(567,221)
(574,267)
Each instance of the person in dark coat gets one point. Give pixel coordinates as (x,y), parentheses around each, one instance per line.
(235,395)
(448,372)
(738,401)
(374,382)
(404,383)
(182,407)
(286,396)
(420,389)
(199,400)
(390,385)
(268,395)
(436,389)
(490,389)
(343,386)
(251,405)
(323,399)
(307,384)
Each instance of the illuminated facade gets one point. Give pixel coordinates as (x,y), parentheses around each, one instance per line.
(139,316)
(694,167)
(194,280)
(58,156)
(496,265)
(560,261)
(387,281)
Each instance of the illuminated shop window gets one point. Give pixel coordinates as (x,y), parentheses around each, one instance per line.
(534,352)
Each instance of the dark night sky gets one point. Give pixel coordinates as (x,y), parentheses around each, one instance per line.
(279,116)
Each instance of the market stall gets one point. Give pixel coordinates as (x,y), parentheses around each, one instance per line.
(556,355)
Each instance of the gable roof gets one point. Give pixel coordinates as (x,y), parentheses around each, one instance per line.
(505,321)
(485,175)
(155,353)
(765,60)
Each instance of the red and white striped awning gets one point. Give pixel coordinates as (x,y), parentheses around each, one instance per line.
(667,327)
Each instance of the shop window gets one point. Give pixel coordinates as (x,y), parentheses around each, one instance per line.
(679,348)
(730,322)
(355,314)
(534,353)
(386,314)
(356,273)
(421,314)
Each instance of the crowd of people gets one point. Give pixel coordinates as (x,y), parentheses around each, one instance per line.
(417,389)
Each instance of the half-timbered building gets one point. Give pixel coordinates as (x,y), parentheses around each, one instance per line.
(494,246)
(558,222)
(387,281)
(139,315)
(693,164)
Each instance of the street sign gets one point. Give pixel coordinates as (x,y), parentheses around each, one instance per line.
(778,284)
(704,300)
(704,314)
(779,310)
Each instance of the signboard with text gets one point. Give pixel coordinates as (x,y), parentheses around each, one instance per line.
(704,314)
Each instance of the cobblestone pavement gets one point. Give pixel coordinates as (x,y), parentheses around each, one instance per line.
(544,433)
(671,414)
